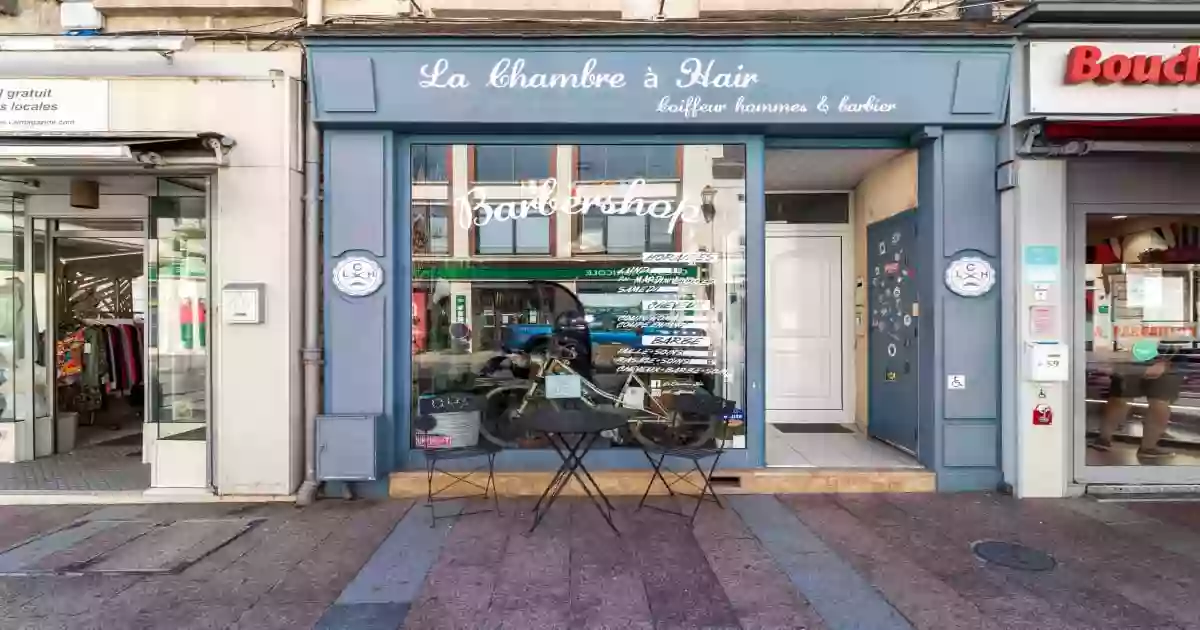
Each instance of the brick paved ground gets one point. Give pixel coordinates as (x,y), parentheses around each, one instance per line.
(870,562)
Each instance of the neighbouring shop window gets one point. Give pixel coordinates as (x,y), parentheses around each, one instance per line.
(430,228)
(623,275)
(430,163)
(1142,281)
(512,164)
(618,162)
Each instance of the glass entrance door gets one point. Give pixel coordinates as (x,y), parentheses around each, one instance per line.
(178,326)
(92,299)
(1137,392)
(119,319)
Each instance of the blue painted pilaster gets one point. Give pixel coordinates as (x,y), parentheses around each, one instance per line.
(360,175)
(959,215)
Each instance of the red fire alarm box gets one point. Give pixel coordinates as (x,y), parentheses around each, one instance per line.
(1043,415)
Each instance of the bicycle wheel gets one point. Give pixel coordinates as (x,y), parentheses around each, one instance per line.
(501,423)
(675,429)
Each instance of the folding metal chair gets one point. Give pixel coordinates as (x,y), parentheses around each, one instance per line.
(695,409)
(436,445)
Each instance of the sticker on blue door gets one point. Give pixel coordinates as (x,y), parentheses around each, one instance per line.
(893,309)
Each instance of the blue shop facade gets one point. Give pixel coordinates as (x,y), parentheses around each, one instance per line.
(696,209)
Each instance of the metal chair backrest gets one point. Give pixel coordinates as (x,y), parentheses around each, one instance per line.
(709,407)
(428,407)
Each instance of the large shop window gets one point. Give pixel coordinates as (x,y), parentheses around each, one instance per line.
(607,275)
(1143,354)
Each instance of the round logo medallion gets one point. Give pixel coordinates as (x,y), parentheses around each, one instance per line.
(357,276)
(970,276)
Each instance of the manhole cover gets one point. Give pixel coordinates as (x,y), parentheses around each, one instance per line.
(1013,556)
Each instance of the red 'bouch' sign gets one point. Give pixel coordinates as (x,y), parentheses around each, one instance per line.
(1088,64)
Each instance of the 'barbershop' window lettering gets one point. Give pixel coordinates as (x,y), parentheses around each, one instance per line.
(693,73)
(474,209)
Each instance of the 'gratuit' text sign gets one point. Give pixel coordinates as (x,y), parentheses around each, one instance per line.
(43,105)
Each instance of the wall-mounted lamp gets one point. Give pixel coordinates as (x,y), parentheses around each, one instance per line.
(707,194)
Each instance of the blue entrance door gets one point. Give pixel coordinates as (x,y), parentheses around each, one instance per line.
(892,340)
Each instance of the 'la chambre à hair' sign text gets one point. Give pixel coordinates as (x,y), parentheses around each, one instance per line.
(692,74)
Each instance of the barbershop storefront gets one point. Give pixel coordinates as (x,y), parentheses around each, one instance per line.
(677,196)
(1107,235)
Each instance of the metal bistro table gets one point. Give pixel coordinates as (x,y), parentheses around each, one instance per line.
(572,432)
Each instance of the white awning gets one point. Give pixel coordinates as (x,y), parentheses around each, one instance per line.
(125,151)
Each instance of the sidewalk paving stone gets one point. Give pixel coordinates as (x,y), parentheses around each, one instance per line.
(840,595)
(759,591)
(816,562)
(924,599)
(458,589)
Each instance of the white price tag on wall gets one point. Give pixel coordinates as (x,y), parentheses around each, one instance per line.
(1048,362)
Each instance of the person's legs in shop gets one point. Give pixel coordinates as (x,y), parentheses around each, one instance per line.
(1161,392)
(1121,392)
(1115,411)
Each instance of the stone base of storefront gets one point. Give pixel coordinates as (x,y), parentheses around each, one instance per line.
(408,485)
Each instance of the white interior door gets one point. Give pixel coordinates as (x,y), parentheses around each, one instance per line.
(805,342)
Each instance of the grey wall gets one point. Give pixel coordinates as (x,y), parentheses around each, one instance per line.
(959,215)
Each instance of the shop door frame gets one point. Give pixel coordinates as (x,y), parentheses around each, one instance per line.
(1077,214)
(53,234)
(210,202)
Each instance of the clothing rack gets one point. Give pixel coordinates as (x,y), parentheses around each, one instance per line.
(101,358)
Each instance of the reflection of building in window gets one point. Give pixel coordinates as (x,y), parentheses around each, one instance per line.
(617,163)
(606,173)
(430,163)
(498,306)
(497,163)
(599,233)
(527,235)
(430,228)
(1140,280)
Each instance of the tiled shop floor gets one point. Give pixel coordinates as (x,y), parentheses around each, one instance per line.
(98,468)
(834,562)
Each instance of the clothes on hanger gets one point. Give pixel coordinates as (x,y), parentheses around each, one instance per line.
(99,359)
